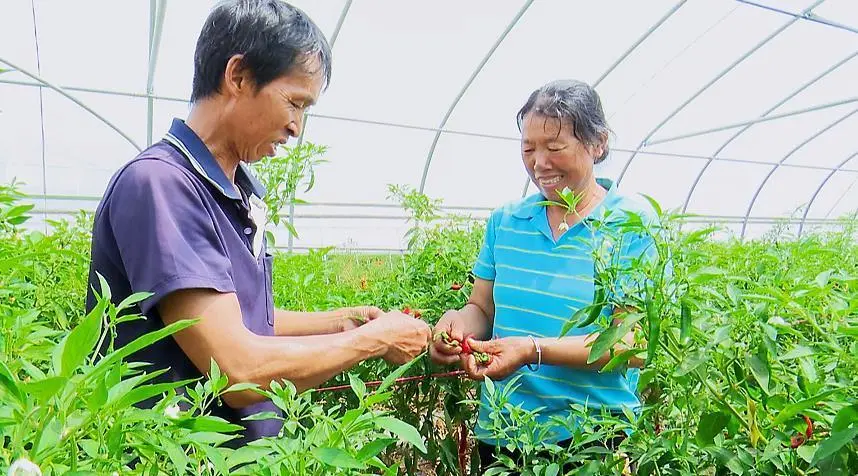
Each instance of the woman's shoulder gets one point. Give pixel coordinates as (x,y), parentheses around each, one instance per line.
(524,207)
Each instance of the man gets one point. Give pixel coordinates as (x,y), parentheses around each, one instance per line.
(183,220)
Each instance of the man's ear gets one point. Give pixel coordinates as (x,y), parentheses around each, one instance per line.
(236,77)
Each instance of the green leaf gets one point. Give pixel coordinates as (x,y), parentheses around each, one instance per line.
(262,416)
(81,342)
(373,448)
(607,339)
(403,430)
(833,443)
(388,381)
(734,293)
(145,340)
(554,468)
(795,408)
(240,387)
(175,453)
(823,277)
(148,391)
(654,203)
(44,389)
(621,359)
(358,387)
(760,369)
(490,386)
(132,300)
(209,423)
(845,418)
(691,361)
(805,452)
(337,458)
(98,397)
(706,274)
(8,380)
(246,454)
(796,352)
(711,425)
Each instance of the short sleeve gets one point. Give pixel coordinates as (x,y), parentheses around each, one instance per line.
(165,232)
(484,268)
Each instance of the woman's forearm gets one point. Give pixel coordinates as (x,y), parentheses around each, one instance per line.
(573,351)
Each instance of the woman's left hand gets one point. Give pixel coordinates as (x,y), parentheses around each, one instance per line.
(506,356)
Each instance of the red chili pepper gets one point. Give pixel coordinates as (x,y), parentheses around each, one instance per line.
(363,283)
(456,286)
(463,446)
(796,440)
(416,314)
(406,310)
(466,347)
(809,431)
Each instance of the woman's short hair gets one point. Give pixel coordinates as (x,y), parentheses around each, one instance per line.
(574,103)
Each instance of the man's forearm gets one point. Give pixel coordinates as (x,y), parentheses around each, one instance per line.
(306,361)
(295,323)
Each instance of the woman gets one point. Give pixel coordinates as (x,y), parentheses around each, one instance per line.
(534,272)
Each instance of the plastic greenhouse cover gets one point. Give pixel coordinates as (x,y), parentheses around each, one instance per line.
(743,110)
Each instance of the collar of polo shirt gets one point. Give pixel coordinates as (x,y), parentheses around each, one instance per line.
(201,158)
(530,207)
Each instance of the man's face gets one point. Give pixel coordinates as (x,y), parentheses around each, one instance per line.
(264,119)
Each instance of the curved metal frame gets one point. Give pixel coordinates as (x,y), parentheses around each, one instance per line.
(640,40)
(780,103)
(819,189)
(784,158)
(157,11)
(465,87)
(717,78)
(68,96)
(622,57)
(808,16)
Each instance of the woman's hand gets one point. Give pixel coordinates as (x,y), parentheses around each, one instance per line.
(440,351)
(505,357)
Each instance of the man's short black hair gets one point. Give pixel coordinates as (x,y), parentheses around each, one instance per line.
(272,35)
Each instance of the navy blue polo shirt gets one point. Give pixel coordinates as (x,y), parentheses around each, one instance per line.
(170,219)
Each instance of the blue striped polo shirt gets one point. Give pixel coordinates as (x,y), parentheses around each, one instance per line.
(539,283)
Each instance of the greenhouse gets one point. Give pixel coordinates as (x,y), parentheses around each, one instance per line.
(689,307)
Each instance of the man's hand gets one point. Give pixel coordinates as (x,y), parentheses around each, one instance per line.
(354,317)
(506,356)
(403,336)
(440,352)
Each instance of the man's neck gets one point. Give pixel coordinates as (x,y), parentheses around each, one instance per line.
(203,120)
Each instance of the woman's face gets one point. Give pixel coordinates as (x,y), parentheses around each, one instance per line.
(554,158)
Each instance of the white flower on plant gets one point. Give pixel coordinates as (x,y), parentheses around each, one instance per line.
(172,411)
(24,467)
(563,226)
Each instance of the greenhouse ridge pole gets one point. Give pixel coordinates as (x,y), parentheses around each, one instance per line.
(788,155)
(780,103)
(640,40)
(700,91)
(756,121)
(334,35)
(818,189)
(157,10)
(63,93)
(807,16)
(465,87)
